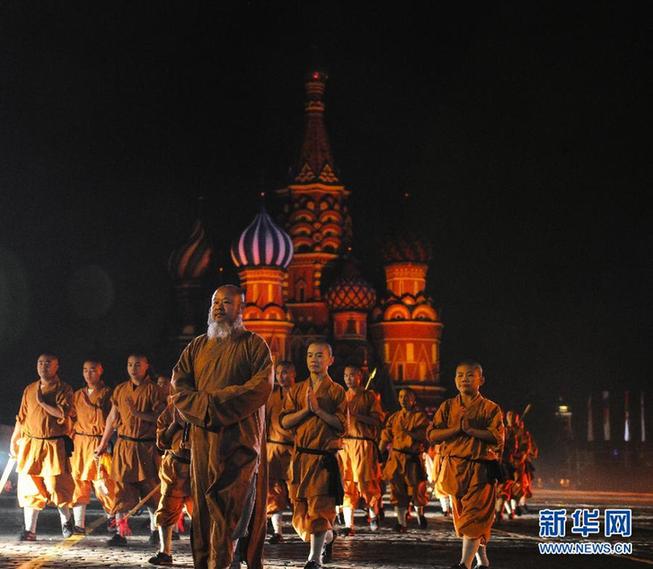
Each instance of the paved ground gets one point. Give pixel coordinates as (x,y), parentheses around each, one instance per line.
(514,543)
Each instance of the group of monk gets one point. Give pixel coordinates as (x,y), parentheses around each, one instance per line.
(230,449)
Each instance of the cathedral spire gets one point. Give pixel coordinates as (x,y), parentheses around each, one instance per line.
(315,163)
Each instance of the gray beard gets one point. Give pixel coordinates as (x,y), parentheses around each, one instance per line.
(221,330)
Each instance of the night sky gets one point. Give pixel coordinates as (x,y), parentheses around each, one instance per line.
(522,137)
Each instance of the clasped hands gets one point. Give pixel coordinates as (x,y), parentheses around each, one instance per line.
(311,402)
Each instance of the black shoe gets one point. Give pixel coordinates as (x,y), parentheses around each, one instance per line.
(160,559)
(117,539)
(276,538)
(68,528)
(270,527)
(518,510)
(327,552)
(154,538)
(27,535)
(312,565)
(346,532)
(77,530)
(421,521)
(381,514)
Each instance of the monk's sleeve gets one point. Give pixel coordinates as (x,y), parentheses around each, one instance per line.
(289,404)
(21,417)
(440,419)
(64,402)
(386,433)
(418,432)
(235,402)
(191,403)
(162,423)
(377,410)
(341,410)
(496,428)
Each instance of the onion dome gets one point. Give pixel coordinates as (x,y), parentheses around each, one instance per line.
(262,244)
(406,247)
(350,291)
(191,260)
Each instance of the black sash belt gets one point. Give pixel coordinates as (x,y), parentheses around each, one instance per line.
(67,441)
(179,458)
(279,443)
(77,433)
(133,440)
(414,457)
(330,462)
(360,439)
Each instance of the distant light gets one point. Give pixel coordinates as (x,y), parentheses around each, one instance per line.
(316,74)
(563,409)
(262,194)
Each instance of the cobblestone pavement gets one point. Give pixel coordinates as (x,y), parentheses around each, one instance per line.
(513,545)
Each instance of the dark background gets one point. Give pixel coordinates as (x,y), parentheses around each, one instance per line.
(522,135)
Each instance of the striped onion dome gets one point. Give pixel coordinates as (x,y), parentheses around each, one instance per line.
(191,260)
(350,291)
(406,246)
(262,244)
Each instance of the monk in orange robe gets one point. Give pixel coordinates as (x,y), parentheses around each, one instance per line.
(135,407)
(222,382)
(41,444)
(92,405)
(315,410)
(405,432)
(471,431)
(359,453)
(279,445)
(174,474)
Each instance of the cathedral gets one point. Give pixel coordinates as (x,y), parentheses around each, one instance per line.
(283,265)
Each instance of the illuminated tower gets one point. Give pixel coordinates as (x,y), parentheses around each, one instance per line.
(405,327)
(316,218)
(350,299)
(261,254)
(188,265)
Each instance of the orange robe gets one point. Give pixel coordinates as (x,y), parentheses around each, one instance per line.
(404,469)
(361,474)
(221,387)
(43,465)
(463,474)
(279,446)
(174,471)
(135,466)
(316,445)
(91,411)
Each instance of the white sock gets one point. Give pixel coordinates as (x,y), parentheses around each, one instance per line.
(317,543)
(276,523)
(31,516)
(64,514)
(401,515)
(372,514)
(153,525)
(507,507)
(80,515)
(348,513)
(165,537)
(513,503)
(444,504)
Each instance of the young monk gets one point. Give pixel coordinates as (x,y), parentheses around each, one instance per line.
(174,474)
(40,442)
(471,431)
(92,405)
(135,407)
(315,411)
(359,452)
(405,432)
(279,447)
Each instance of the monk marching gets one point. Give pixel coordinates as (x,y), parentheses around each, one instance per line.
(135,406)
(315,410)
(471,431)
(359,452)
(42,447)
(174,474)
(222,381)
(279,445)
(92,405)
(405,432)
